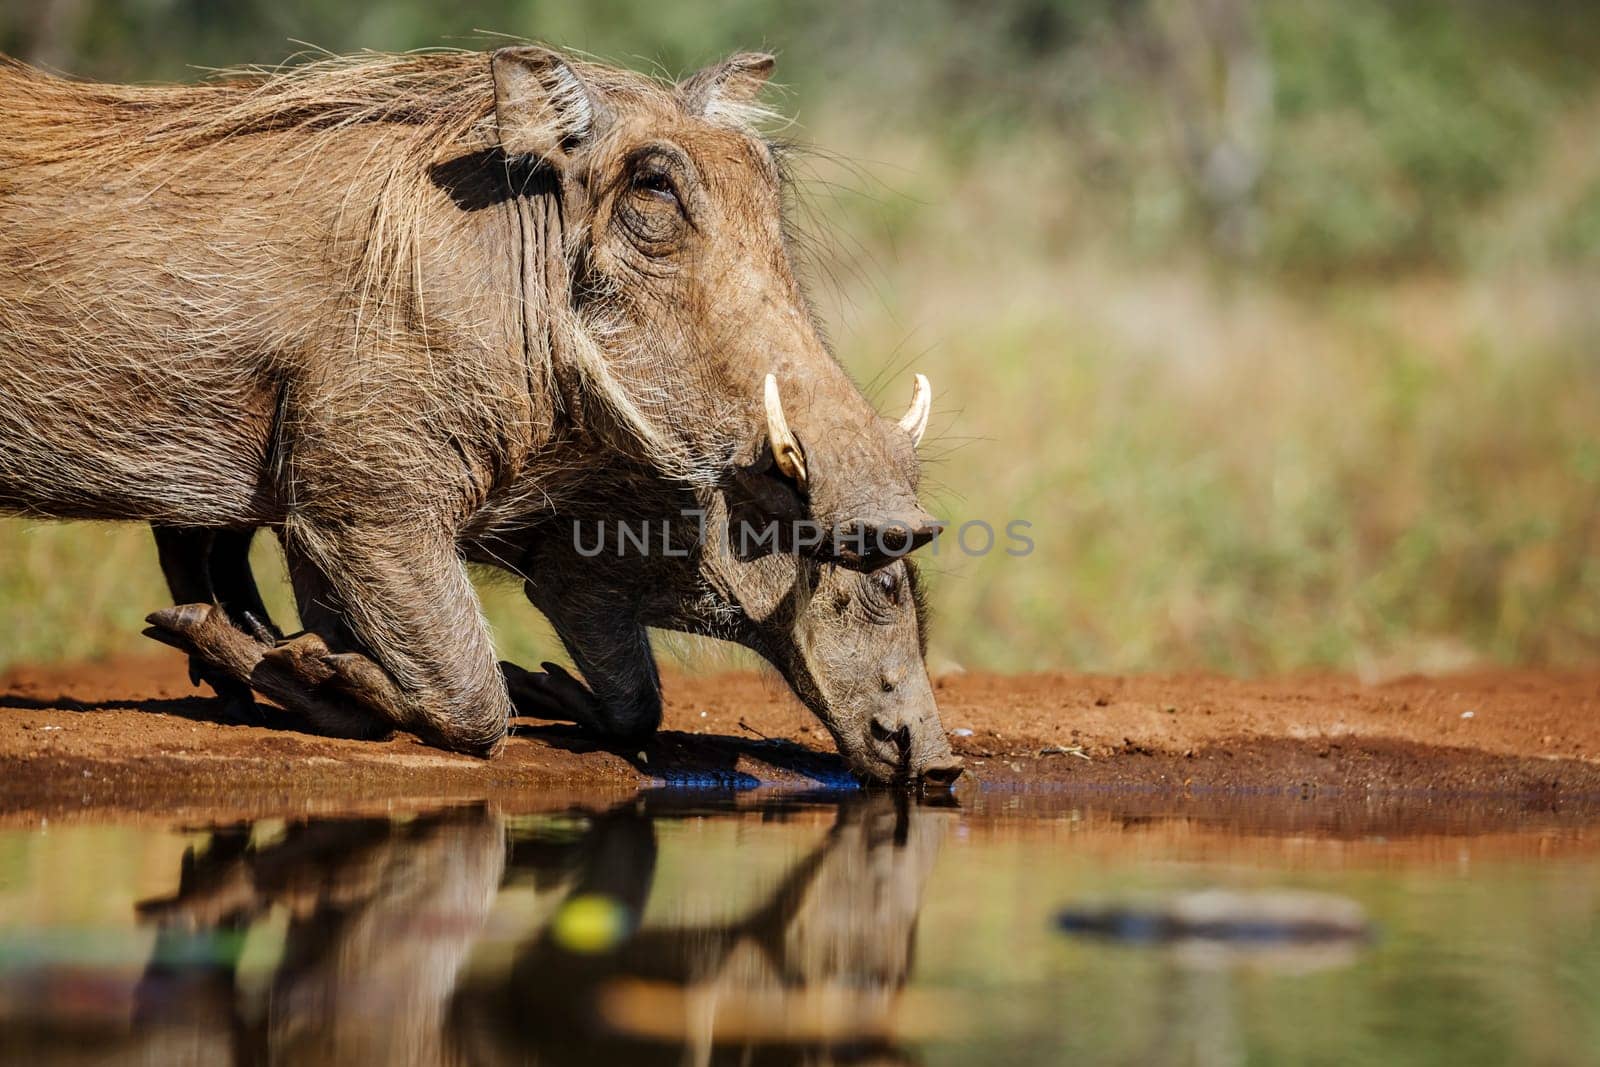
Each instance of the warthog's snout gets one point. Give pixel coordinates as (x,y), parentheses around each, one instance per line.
(943,773)
(853,652)
(905,747)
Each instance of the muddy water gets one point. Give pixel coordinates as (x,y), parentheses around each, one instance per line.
(683,928)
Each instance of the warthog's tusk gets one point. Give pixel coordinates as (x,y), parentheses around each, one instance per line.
(785,448)
(915,420)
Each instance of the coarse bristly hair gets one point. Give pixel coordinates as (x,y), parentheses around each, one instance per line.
(434,106)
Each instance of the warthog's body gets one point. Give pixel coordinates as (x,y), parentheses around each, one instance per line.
(387,305)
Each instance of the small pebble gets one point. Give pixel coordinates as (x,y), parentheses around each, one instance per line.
(961,731)
(1467,714)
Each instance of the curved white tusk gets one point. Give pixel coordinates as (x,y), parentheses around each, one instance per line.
(785,448)
(915,420)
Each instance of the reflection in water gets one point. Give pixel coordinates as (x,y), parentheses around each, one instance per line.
(1286,932)
(738,929)
(381,919)
(816,967)
(381,916)
(1203,936)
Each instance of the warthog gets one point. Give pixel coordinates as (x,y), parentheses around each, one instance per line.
(386,304)
(639,551)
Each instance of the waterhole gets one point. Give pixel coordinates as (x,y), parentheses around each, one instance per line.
(689,927)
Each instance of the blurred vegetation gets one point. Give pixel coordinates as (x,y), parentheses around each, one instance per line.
(1275,320)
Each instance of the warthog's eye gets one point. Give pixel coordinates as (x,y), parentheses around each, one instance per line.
(880,596)
(654,212)
(656,184)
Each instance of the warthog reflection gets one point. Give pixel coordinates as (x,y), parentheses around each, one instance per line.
(382,919)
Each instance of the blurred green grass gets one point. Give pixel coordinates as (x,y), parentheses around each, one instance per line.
(1297,376)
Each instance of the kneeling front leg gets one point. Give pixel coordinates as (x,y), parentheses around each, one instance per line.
(410,643)
(622,700)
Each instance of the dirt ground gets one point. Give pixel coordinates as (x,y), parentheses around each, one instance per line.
(134,735)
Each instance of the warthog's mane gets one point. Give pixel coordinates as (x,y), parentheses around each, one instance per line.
(446,97)
(434,107)
(439,92)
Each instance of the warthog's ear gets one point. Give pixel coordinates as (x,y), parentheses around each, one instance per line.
(729,89)
(542,106)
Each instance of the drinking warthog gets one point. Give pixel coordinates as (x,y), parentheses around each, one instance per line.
(639,551)
(385,304)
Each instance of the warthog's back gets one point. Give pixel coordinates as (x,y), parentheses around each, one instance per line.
(183,268)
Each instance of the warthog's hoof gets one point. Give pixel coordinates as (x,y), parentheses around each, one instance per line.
(188,628)
(553,694)
(179,626)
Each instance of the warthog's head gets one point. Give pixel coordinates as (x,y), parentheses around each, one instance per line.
(695,338)
(849,643)
(851,646)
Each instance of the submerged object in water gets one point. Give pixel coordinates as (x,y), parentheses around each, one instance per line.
(1290,929)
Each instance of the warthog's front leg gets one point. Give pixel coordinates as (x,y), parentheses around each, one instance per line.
(212,567)
(403,598)
(623,698)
